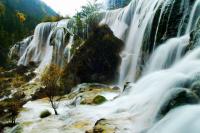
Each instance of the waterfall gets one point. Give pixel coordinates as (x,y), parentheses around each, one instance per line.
(67,51)
(48,45)
(38,46)
(194,16)
(19,48)
(172,52)
(146,26)
(138,30)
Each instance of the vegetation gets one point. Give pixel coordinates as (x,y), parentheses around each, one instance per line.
(21,17)
(2,9)
(54,87)
(45,114)
(86,19)
(18,81)
(12,107)
(54,18)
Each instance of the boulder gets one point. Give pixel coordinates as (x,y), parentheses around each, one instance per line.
(97,60)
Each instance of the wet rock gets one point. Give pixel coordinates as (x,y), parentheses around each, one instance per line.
(194,37)
(102,126)
(86,93)
(97,60)
(45,114)
(99,99)
(182,98)
(195,88)
(17,129)
(116,88)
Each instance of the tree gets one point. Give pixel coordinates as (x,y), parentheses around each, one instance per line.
(86,19)
(12,108)
(21,17)
(2,9)
(54,87)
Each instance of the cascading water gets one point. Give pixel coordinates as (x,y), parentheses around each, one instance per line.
(194,17)
(19,48)
(167,73)
(172,51)
(48,45)
(140,29)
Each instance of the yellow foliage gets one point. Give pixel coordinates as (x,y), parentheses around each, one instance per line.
(51,79)
(21,17)
(18,81)
(2,9)
(54,18)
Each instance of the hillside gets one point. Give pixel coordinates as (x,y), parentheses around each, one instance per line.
(33,8)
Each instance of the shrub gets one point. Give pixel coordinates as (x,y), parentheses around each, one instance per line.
(45,114)
(18,81)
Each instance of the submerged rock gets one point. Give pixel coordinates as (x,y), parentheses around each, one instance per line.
(97,60)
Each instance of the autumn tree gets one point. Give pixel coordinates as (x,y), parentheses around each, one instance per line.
(2,9)
(21,16)
(54,87)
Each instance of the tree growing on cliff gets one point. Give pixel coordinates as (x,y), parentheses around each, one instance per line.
(54,87)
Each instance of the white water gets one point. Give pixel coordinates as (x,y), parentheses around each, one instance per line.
(19,48)
(194,16)
(172,52)
(48,45)
(165,74)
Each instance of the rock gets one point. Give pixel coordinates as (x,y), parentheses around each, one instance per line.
(17,129)
(97,60)
(99,99)
(195,88)
(45,114)
(194,37)
(116,88)
(102,126)
(182,98)
(86,93)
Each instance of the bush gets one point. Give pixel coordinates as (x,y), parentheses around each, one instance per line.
(99,99)
(45,114)
(18,81)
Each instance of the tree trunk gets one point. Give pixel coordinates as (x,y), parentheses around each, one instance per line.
(56,113)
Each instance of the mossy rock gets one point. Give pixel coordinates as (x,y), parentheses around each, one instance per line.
(45,114)
(96,61)
(99,99)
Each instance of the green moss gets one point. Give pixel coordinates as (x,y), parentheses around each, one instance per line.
(99,99)
(45,114)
